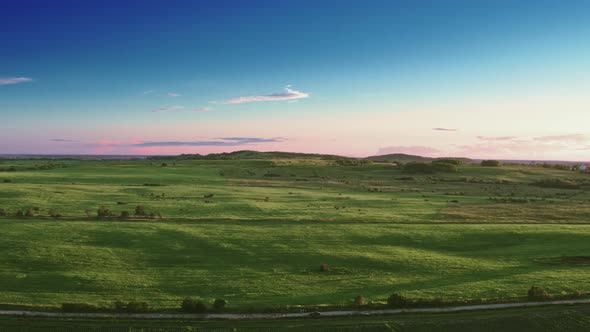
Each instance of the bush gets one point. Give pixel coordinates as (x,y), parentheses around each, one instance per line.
(444,167)
(537,293)
(139,211)
(103,212)
(490,163)
(124,215)
(54,214)
(219,304)
(416,167)
(3,213)
(137,307)
(448,161)
(397,300)
(20,214)
(556,183)
(131,307)
(78,307)
(30,212)
(359,300)
(324,268)
(193,306)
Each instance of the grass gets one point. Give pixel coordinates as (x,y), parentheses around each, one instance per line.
(255,232)
(270,264)
(563,318)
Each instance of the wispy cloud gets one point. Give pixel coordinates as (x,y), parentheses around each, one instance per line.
(289,94)
(202,109)
(172,94)
(168,109)
(496,138)
(222,141)
(445,129)
(61,140)
(14,80)
(576,138)
(147,92)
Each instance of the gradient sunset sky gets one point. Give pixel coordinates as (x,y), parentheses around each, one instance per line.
(481,79)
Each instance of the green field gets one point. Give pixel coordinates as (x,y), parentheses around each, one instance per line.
(258,238)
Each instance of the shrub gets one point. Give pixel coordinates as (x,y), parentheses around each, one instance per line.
(137,307)
(448,161)
(324,268)
(359,300)
(397,300)
(20,214)
(54,214)
(103,212)
(3,213)
(7,181)
(416,167)
(490,163)
(78,307)
(131,307)
(124,215)
(219,304)
(139,211)
(444,167)
(30,212)
(538,293)
(193,306)
(556,183)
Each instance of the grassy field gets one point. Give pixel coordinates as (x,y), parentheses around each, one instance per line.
(550,319)
(254,232)
(291,189)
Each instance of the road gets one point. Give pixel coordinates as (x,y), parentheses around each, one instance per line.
(292,315)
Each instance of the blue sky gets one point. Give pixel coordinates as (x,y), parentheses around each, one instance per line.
(353,78)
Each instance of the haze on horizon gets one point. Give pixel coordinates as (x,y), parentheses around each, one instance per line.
(485,79)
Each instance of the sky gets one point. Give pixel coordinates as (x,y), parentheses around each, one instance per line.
(481,79)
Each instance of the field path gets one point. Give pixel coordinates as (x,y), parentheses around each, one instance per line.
(293,315)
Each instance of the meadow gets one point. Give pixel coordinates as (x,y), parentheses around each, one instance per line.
(254,232)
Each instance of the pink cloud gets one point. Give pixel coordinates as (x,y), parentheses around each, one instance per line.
(202,109)
(289,94)
(14,80)
(577,138)
(497,138)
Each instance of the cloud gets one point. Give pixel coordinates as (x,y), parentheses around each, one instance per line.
(62,140)
(14,80)
(289,94)
(576,138)
(202,109)
(496,138)
(221,141)
(414,150)
(147,92)
(168,109)
(172,94)
(445,129)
